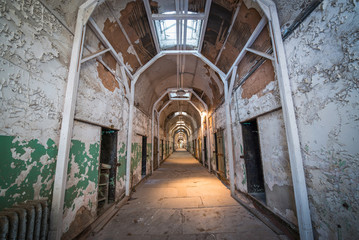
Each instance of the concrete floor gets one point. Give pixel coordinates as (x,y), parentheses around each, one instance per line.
(181,200)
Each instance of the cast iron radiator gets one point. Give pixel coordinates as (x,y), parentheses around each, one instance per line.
(25,221)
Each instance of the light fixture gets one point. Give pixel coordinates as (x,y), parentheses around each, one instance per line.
(181,92)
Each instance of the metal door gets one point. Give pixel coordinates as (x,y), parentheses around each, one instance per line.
(205,150)
(221,161)
(155,153)
(144,154)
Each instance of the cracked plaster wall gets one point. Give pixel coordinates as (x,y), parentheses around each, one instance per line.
(141,127)
(80,206)
(257,98)
(276,168)
(323,62)
(34,54)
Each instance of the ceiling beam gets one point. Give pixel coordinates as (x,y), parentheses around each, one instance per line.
(249,43)
(107,44)
(147,65)
(152,26)
(213,66)
(229,32)
(200,99)
(163,108)
(175,52)
(123,81)
(123,31)
(262,54)
(204,25)
(198,16)
(95,55)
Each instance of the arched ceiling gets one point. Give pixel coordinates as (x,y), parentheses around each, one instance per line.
(162,75)
(180,129)
(128,27)
(180,134)
(179,120)
(193,117)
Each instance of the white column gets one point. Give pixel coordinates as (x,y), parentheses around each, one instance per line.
(295,155)
(202,145)
(58,196)
(129,138)
(153,137)
(158,139)
(227,96)
(208,144)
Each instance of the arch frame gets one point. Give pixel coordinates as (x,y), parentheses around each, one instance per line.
(297,169)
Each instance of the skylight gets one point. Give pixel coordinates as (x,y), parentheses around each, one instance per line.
(166,33)
(193,32)
(181,94)
(186,34)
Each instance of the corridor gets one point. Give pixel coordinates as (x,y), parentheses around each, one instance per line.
(181,200)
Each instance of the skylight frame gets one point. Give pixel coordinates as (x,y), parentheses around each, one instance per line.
(191,22)
(175,97)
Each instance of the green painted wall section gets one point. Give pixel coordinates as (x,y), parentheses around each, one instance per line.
(83,165)
(121,170)
(149,152)
(136,155)
(26,170)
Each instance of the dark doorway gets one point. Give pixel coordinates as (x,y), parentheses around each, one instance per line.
(155,153)
(144,155)
(252,159)
(220,154)
(205,150)
(162,150)
(199,142)
(215,149)
(107,168)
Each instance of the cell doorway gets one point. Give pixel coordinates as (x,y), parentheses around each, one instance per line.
(144,156)
(107,169)
(220,154)
(252,159)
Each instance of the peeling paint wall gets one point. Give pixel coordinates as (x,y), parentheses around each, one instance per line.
(27,170)
(80,205)
(141,127)
(36,43)
(34,54)
(276,168)
(323,60)
(257,96)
